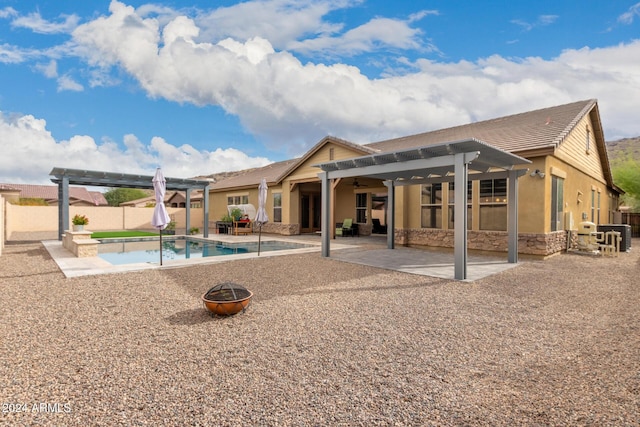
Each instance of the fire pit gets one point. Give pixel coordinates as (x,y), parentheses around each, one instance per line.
(227,299)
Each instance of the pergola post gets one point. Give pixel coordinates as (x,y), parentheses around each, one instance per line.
(512,216)
(325,217)
(391,213)
(460,216)
(205,206)
(63,206)
(187,205)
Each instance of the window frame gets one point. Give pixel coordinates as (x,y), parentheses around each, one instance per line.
(493,201)
(361,209)
(277,207)
(433,206)
(557,203)
(452,203)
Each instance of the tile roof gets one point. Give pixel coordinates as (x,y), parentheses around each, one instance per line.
(50,193)
(519,133)
(534,132)
(252,177)
(275,172)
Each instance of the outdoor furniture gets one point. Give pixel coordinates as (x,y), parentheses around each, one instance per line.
(242,227)
(347,227)
(377,227)
(223,227)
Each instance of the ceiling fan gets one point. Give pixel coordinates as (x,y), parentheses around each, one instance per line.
(356,184)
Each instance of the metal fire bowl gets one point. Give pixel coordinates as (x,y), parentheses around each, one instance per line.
(227,299)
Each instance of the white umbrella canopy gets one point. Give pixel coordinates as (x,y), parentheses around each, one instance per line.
(261,215)
(160,217)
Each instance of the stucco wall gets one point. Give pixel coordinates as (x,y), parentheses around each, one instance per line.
(30,220)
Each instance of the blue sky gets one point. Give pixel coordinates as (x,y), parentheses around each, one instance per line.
(126,86)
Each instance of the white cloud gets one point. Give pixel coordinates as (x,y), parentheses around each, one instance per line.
(541,21)
(8,12)
(67,83)
(49,70)
(37,24)
(290,104)
(378,33)
(10,54)
(628,17)
(279,21)
(30,152)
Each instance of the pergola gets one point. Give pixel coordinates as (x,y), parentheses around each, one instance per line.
(444,162)
(64,177)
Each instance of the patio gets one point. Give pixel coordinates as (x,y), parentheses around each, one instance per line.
(369,250)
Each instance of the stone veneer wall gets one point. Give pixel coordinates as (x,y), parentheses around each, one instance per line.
(494,241)
(279,228)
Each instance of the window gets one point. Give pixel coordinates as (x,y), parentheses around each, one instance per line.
(593,206)
(277,207)
(361,208)
(431,204)
(557,203)
(452,201)
(237,200)
(493,204)
(598,209)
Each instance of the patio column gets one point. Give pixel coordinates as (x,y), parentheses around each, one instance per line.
(63,205)
(391,212)
(205,207)
(512,216)
(460,216)
(187,203)
(325,218)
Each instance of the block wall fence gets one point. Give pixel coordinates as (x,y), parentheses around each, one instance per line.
(23,221)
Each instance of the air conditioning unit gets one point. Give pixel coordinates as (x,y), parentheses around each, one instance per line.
(625,234)
(568,221)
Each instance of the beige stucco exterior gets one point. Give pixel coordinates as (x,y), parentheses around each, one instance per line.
(577,159)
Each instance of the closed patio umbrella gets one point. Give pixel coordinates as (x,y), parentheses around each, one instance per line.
(160,217)
(261,214)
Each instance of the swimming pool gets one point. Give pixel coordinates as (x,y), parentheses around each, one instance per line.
(131,251)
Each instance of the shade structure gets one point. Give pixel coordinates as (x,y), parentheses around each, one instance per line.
(160,217)
(261,214)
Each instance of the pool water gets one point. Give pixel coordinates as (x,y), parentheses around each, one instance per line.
(130,251)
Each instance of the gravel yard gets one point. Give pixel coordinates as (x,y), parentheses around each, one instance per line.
(324,342)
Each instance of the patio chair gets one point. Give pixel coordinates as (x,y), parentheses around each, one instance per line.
(242,227)
(377,227)
(347,227)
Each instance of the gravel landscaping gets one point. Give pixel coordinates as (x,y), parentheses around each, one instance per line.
(323,342)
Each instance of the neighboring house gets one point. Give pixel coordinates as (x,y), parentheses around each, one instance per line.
(172,199)
(78,196)
(569,181)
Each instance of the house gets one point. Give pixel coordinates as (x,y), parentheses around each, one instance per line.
(78,196)
(172,199)
(568,181)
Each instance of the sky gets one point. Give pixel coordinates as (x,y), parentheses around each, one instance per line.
(199,86)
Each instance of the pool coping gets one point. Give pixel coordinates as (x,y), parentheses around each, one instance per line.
(72,266)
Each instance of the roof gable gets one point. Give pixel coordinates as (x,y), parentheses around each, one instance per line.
(275,173)
(308,158)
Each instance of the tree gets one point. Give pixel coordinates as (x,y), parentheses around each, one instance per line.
(626,175)
(115,196)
